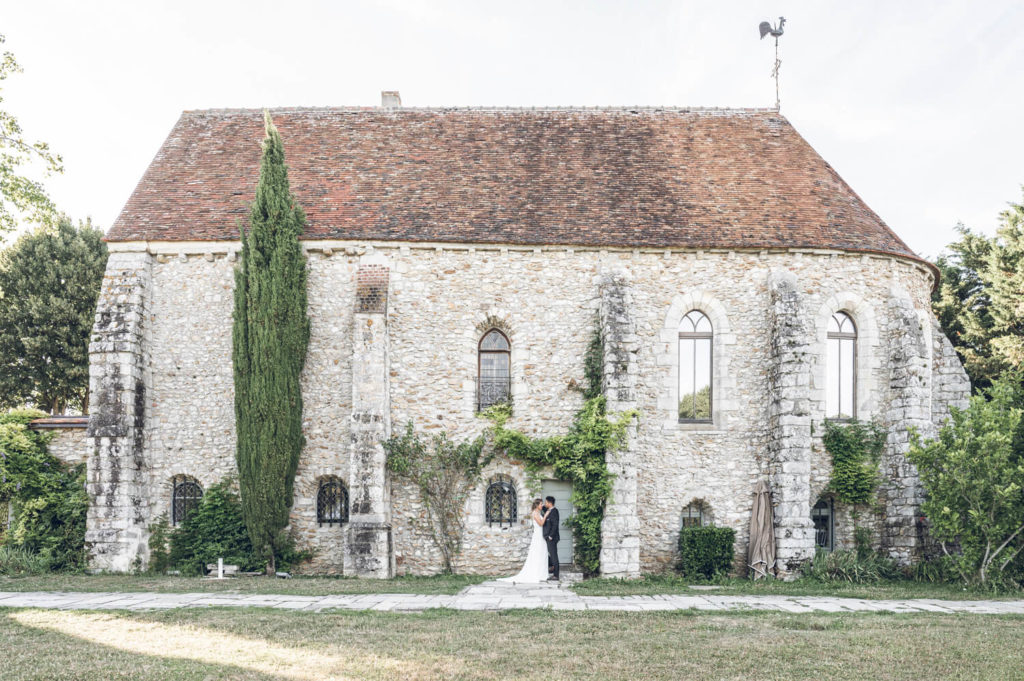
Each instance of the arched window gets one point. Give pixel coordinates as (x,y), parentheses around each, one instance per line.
(185,497)
(495,360)
(331,502)
(695,515)
(500,503)
(821,515)
(840,402)
(695,335)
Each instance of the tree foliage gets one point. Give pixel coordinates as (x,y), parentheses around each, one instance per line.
(48,498)
(980,302)
(49,281)
(270,338)
(19,193)
(445,473)
(973,474)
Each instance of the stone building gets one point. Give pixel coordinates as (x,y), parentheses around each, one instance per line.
(458,256)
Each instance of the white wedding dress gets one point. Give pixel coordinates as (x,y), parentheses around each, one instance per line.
(535,569)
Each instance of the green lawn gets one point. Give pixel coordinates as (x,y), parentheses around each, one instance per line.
(299,586)
(263,644)
(801,587)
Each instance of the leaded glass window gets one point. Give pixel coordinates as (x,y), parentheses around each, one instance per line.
(693,515)
(331,502)
(821,514)
(495,360)
(185,497)
(841,384)
(500,503)
(695,336)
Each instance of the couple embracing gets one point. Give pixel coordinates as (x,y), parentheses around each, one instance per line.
(542,557)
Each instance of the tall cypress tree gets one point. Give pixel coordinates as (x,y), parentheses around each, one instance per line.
(270,337)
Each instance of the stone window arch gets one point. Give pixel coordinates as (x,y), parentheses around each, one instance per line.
(494,369)
(501,504)
(823,517)
(841,367)
(722,383)
(865,339)
(696,335)
(331,501)
(186,493)
(697,513)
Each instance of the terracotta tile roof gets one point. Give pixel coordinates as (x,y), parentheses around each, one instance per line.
(61,421)
(590,177)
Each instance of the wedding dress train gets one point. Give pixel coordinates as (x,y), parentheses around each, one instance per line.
(535,569)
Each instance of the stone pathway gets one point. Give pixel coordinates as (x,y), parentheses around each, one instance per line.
(494,595)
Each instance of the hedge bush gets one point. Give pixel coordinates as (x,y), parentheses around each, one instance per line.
(706,551)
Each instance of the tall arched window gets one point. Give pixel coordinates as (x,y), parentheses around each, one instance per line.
(494,376)
(695,335)
(841,383)
(331,502)
(500,503)
(185,497)
(821,516)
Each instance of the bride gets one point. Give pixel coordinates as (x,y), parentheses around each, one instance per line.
(536,567)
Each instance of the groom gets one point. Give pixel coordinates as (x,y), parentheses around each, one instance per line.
(550,531)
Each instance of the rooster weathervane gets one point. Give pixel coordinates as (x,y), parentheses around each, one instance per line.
(775,32)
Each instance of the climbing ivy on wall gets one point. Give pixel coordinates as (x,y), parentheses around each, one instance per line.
(270,338)
(855,448)
(577,457)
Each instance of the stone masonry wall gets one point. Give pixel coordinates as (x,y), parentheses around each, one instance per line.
(70,445)
(442,299)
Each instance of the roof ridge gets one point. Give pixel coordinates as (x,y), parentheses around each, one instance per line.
(491,108)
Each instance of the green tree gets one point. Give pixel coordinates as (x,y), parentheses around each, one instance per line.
(270,337)
(973,474)
(49,281)
(17,192)
(980,302)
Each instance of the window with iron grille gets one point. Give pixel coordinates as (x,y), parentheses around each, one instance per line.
(693,515)
(493,369)
(821,515)
(841,365)
(695,355)
(185,497)
(332,502)
(500,503)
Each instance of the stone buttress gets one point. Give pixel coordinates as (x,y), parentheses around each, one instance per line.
(789,422)
(370,552)
(117,471)
(620,530)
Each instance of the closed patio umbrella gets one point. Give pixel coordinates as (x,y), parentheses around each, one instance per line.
(761,554)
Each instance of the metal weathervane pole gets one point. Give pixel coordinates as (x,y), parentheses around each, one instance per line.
(775,32)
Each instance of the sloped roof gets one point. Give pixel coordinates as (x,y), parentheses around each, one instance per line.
(701,178)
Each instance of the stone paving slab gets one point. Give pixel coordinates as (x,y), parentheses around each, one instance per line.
(492,596)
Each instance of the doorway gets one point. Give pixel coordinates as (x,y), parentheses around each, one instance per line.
(562,492)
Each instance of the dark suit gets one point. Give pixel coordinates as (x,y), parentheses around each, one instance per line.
(550,531)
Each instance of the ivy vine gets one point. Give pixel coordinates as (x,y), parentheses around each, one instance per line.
(577,457)
(855,448)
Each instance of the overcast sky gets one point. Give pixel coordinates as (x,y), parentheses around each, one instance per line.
(918,105)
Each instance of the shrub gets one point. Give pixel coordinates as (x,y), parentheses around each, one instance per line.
(706,551)
(848,566)
(16,562)
(215,529)
(973,474)
(855,448)
(159,546)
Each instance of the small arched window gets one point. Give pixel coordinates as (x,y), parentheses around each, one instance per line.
(331,502)
(500,503)
(186,494)
(494,376)
(695,335)
(821,516)
(695,515)
(841,384)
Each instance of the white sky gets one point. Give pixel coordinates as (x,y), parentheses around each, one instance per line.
(918,105)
